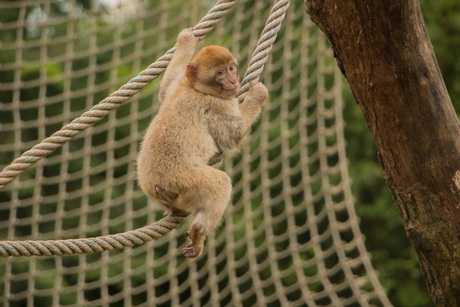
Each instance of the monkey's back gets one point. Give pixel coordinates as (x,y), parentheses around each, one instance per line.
(177,142)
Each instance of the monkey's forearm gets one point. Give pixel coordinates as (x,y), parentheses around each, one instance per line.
(249,113)
(186,44)
(249,118)
(228,133)
(250,108)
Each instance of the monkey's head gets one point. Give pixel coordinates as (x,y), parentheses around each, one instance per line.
(214,71)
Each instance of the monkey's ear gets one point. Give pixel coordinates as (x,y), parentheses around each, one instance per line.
(192,70)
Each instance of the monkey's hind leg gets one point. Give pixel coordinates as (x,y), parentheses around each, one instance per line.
(214,192)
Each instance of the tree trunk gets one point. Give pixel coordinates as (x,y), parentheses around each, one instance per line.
(384,51)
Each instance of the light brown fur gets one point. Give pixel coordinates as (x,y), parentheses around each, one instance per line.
(199,117)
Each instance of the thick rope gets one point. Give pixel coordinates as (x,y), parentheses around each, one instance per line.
(107,105)
(165,225)
(264,46)
(92,245)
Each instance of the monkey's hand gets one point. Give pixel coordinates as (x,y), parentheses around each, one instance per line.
(187,40)
(258,93)
(252,103)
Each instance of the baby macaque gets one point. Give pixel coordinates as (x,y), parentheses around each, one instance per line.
(199,119)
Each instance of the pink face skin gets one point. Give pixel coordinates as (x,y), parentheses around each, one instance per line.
(227,78)
(214,71)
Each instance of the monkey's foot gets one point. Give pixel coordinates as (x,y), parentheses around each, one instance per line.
(194,248)
(190,251)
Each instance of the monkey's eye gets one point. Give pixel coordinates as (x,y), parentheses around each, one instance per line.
(232,67)
(220,72)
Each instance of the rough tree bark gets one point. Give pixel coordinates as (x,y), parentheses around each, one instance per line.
(384,51)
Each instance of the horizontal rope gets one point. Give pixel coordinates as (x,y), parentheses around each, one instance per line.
(92,245)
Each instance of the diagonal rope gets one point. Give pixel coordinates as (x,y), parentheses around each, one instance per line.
(165,225)
(264,46)
(107,105)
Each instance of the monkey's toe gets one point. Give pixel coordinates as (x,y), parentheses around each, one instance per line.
(192,250)
(189,251)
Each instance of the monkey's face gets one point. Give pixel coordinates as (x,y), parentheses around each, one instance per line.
(214,71)
(226,77)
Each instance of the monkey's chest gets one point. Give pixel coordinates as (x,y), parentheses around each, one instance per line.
(187,141)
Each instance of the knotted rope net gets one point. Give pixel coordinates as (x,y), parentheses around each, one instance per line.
(99,111)
(291,236)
